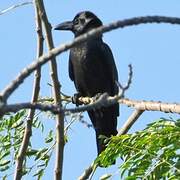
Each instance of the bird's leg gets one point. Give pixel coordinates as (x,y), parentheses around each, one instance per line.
(75,99)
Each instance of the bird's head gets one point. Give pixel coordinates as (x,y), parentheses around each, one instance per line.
(82,23)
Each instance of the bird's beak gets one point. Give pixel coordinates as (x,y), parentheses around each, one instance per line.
(68,25)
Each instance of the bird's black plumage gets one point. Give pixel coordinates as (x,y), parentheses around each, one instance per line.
(93,70)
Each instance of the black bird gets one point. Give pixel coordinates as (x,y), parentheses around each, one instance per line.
(93,70)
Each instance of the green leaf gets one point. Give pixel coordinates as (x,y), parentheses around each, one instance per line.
(105,176)
(152,153)
(4,154)
(40,153)
(4,162)
(4,168)
(49,138)
(39,173)
(31,152)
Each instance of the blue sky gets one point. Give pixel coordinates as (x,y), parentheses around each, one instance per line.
(152,49)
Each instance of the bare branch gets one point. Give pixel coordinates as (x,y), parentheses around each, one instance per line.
(14,7)
(130,75)
(35,95)
(131,120)
(28,105)
(95,32)
(152,105)
(122,88)
(87,172)
(56,93)
(106,101)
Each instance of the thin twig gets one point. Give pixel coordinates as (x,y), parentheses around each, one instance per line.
(122,88)
(12,86)
(14,7)
(56,93)
(35,94)
(50,149)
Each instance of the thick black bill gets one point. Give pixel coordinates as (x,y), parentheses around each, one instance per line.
(68,25)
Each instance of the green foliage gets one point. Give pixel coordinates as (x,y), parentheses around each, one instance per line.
(11,133)
(153,153)
(105,177)
(12,128)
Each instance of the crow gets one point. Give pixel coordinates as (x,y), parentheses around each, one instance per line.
(93,70)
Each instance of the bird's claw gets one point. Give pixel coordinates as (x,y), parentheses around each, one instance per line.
(75,99)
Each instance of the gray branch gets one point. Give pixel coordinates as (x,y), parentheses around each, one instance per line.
(95,32)
(131,120)
(14,7)
(104,100)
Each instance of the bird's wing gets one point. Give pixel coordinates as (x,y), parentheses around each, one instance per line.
(110,64)
(113,73)
(71,71)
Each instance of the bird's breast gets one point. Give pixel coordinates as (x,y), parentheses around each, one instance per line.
(89,72)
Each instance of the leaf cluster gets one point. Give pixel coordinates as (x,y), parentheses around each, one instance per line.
(12,127)
(153,153)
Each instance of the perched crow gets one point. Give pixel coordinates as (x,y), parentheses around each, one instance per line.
(93,70)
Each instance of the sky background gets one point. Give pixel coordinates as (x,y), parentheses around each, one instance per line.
(153,50)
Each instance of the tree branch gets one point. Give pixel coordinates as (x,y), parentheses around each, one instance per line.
(14,7)
(131,120)
(36,89)
(87,172)
(106,101)
(152,105)
(56,51)
(56,94)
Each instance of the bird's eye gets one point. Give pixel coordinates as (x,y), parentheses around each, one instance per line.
(82,21)
(76,21)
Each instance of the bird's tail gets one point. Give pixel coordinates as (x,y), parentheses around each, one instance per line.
(105,123)
(101,140)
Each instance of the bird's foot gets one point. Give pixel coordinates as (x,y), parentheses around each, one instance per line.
(75,99)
